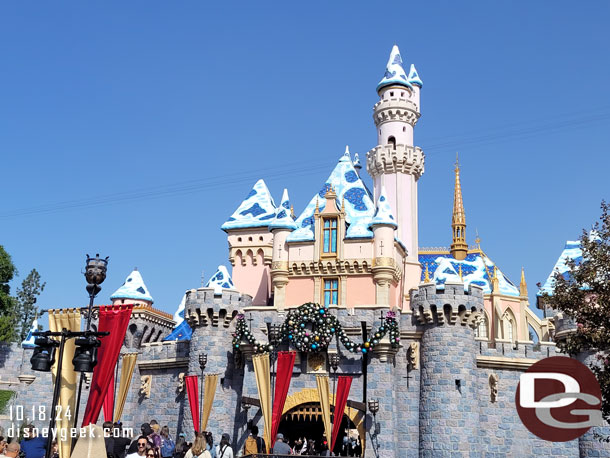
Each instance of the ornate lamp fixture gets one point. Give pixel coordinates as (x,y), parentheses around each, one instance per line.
(203,361)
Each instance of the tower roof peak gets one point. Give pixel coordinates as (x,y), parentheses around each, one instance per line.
(383,212)
(459,248)
(394,72)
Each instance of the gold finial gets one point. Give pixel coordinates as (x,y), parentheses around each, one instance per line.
(317,206)
(343,203)
(523,284)
(460,272)
(459,247)
(426,275)
(292,212)
(477,239)
(495,283)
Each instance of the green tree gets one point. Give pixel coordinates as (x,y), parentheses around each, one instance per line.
(584,295)
(8,331)
(27,294)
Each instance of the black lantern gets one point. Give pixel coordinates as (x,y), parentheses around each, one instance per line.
(85,355)
(44,354)
(374,406)
(203,360)
(334,359)
(95,273)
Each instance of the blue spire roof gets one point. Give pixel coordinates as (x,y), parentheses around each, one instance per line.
(414,77)
(359,207)
(181,332)
(133,288)
(477,269)
(571,251)
(257,210)
(283,218)
(29,340)
(220,280)
(394,72)
(383,212)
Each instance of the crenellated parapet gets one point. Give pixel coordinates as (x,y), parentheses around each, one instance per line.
(450,305)
(388,159)
(203,308)
(564,326)
(396,109)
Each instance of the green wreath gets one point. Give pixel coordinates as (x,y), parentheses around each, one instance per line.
(310,328)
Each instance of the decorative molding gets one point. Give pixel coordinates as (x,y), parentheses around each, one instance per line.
(180,388)
(388,110)
(384,159)
(413,355)
(163,363)
(331,267)
(504,362)
(493,387)
(27,379)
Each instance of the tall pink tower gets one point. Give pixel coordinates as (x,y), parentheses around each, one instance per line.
(395,164)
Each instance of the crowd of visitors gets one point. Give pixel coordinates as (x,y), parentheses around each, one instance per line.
(155,441)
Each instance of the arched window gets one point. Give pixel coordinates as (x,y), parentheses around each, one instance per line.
(481,329)
(392,141)
(511,330)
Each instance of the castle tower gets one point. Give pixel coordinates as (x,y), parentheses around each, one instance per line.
(449,391)
(383,225)
(251,243)
(395,163)
(281,226)
(459,247)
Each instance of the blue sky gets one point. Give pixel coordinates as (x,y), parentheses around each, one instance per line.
(134,129)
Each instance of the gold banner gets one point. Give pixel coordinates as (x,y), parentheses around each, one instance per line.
(127,368)
(324,395)
(68,319)
(263,383)
(209,391)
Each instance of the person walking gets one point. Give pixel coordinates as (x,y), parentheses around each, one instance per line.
(142,446)
(254,444)
(224,450)
(11,450)
(168,446)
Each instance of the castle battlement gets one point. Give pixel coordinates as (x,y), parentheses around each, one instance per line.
(432,305)
(204,308)
(396,109)
(384,159)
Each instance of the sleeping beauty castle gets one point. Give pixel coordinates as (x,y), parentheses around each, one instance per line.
(422,348)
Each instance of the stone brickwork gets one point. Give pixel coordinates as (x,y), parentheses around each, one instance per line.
(422,411)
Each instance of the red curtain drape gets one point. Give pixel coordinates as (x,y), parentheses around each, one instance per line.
(285,364)
(109,400)
(343,386)
(192,392)
(113,319)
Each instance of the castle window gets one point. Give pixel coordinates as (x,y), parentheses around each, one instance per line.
(330,235)
(404,128)
(392,141)
(239,239)
(331,291)
(511,329)
(481,329)
(260,238)
(249,239)
(402,94)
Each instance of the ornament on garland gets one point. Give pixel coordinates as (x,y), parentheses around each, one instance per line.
(310,328)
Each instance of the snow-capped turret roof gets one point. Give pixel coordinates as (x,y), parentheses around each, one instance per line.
(257,210)
(383,213)
(571,251)
(476,268)
(351,191)
(394,73)
(179,314)
(283,217)
(29,339)
(182,330)
(414,77)
(220,280)
(133,288)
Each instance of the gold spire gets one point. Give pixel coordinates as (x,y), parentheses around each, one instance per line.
(292,212)
(477,239)
(495,283)
(317,207)
(426,275)
(459,248)
(523,284)
(460,272)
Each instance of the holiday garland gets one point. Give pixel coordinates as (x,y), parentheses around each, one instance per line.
(311,327)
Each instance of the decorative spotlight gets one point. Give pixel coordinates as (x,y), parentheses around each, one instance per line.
(85,354)
(203,360)
(44,354)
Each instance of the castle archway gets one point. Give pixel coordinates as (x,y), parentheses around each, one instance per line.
(306,404)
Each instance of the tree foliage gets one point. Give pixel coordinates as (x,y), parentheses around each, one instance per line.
(7,303)
(27,294)
(584,295)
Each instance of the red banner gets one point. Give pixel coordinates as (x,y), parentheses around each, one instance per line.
(345,382)
(109,400)
(285,364)
(113,319)
(192,392)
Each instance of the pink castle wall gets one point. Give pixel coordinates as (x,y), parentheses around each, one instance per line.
(252,279)
(300,291)
(360,290)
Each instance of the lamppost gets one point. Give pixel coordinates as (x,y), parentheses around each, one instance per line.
(374,408)
(95,274)
(334,359)
(203,360)
(43,358)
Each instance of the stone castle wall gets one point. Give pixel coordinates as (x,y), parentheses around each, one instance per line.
(422,410)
